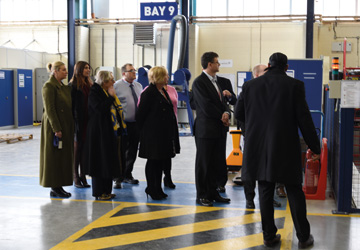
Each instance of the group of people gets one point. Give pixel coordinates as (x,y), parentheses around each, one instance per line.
(94,128)
(271,107)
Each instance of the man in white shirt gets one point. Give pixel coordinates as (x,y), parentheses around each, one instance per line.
(128,91)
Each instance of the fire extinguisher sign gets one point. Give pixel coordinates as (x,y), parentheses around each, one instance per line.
(158,11)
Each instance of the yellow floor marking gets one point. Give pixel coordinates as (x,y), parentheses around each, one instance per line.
(146,216)
(287,233)
(132,238)
(235,243)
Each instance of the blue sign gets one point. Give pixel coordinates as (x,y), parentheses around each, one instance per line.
(158,11)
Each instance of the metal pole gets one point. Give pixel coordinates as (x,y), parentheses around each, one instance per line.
(71,36)
(310,29)
(184,10)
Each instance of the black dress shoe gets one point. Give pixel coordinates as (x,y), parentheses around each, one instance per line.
(117,185)
(307,243)
(219,198)
(273,242)
(56,192)
(250,204)
(221,189)
(276,204)
(131,180)
(204,202)
(67,193)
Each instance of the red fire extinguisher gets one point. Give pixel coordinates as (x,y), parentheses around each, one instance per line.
(311,174)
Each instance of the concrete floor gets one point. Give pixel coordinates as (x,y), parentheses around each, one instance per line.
(30,219)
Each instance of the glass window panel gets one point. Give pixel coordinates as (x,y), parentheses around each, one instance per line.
(331,8)
(236,7)
(282,7)
(319,7)
(251,8)
(20,11)
(218,8)
(347,8)
(298,7)
(6,10)
(59,9)
(266,7)
(203,8)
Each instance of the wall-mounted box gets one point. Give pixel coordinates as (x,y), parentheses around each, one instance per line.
(339,46)
(335,89)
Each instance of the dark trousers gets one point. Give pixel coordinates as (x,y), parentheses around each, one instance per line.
(119,175)
(209,152)
(131,144)
(167,168)
(249,190)
(297,204)
(153,173)
(222,172)
(101,186)
(78,169)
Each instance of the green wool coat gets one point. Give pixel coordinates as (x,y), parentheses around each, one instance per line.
(56,164)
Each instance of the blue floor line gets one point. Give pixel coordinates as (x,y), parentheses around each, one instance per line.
(184,194)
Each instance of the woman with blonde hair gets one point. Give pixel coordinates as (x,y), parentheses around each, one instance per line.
(80,83)
(159,136)
(104,126)
(57,133)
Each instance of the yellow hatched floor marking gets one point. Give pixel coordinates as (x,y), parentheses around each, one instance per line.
(287,233)
(125,219)
(161,233)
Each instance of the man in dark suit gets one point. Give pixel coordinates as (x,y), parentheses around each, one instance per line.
(273,107)
(230,98)
(211,125)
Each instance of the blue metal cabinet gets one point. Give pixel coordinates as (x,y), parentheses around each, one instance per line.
(6,98)
(23,103)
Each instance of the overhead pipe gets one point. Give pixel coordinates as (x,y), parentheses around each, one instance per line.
(183,39)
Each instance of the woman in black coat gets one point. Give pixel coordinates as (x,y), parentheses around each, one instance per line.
(80,87)
(101,160)
(159,136)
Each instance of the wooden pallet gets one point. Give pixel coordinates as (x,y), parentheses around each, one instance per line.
(11,138)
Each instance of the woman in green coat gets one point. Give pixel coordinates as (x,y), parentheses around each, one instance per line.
(57,133)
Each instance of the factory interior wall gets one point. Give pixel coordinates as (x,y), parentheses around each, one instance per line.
(246,44)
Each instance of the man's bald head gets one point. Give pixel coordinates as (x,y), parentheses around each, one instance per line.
(259,70)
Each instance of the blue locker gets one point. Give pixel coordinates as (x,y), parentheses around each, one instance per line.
(6,98)
(23,86)
(310,71)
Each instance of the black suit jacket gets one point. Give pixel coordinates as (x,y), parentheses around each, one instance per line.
(209,108)
(225,84)
(272,108)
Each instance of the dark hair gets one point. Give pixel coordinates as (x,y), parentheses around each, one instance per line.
(207,57)
(123,68)
(78,78)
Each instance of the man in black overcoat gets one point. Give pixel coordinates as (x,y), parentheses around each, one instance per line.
(210,127)
(273,107)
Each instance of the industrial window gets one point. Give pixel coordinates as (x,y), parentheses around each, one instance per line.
(28,10)
(275,7)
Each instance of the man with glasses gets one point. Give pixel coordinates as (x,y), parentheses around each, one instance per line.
(211,125)
(128,92)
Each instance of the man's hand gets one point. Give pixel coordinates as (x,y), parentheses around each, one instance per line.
(225,119)
(315,157)
(227,93)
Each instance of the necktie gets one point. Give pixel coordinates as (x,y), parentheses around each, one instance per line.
(134,96)
(217,89)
